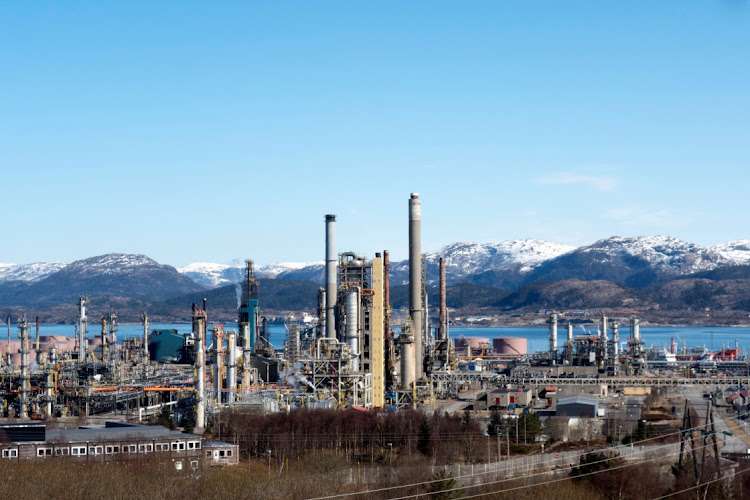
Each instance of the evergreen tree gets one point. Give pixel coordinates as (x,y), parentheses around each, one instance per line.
(424,437)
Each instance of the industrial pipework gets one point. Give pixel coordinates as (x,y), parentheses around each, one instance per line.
(415,281)
(330,276)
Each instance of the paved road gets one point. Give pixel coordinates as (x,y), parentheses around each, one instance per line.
(727,444)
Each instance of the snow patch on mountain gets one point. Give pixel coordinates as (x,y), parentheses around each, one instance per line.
(273,270)
(663,252)
(29,272)
(737,252)
(113,263)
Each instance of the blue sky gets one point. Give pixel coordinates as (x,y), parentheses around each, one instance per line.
(213,131)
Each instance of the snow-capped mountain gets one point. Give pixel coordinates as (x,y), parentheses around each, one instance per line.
(629,261)
(216,275)
(29,272)
(633,261)
(737,252)
(120,275)
(274,270)
(465,259)
(212,275)
(663,252)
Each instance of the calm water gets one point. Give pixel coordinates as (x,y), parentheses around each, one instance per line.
(713,338)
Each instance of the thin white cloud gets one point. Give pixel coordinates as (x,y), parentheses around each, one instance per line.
(598,182)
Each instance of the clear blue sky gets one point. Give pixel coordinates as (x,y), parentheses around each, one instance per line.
(213,131)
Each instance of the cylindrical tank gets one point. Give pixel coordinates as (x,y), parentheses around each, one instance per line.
(510,345)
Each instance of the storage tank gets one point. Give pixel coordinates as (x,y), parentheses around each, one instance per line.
(510,345)
(477,344)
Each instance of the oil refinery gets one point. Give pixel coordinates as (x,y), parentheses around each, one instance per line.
(354,354)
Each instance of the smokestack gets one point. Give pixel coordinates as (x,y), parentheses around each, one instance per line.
(443,327)
(415,279)
(330,276)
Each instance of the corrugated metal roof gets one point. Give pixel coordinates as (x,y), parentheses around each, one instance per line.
(138,432)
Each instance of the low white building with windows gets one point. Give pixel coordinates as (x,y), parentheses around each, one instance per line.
(114,442)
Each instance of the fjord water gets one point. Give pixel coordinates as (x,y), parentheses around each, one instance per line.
(713,338)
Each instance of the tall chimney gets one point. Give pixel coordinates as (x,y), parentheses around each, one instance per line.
(415,279)
(330,276)
(443,327)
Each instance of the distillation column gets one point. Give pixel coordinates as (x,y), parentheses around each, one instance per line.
(553,336)
(635,329)
(199,318)
(82,327)
(218,342)
(415,280)
(615,347)
(50,383)
(443,326)
(231,365)
(23,328)
(103,321)
(570,333)
(145,337)
(603,339)
(330,276)
(352,326)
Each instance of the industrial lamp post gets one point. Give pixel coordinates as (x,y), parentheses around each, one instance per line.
(269,462)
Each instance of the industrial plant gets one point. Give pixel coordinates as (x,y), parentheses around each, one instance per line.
(354,352)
